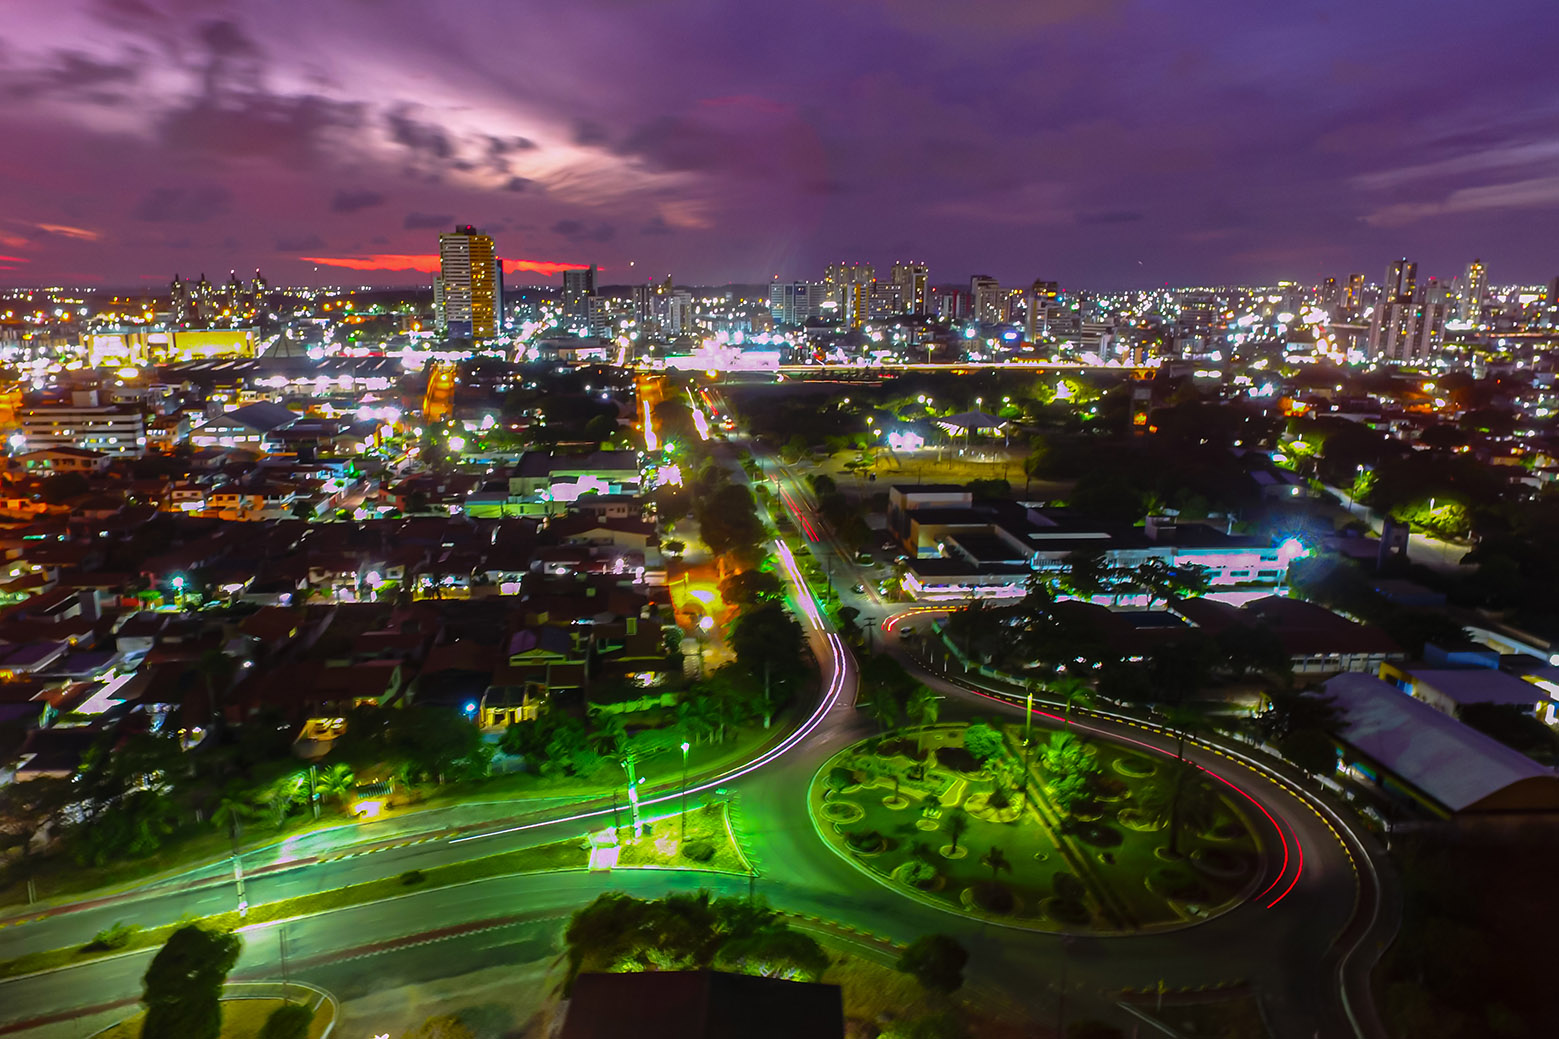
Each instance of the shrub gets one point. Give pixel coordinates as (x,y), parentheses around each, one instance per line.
(116,937)
(936,961)
(288,1021)
(982,741)
(918,874)
(1067,886)
(869,840)
(698,851)
(840,777)
(413,876)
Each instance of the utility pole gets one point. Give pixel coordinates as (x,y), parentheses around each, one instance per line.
(281,937)
(633,797)
(682,836)
(238,874)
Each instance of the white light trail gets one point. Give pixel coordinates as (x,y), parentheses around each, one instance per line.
(830,697)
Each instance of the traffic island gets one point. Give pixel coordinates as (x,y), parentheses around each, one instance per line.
(246,1006)
(1096,838)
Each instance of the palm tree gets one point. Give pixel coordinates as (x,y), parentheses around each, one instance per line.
(609,736)
(884,707)
(1190,579)
(957,825)
(923,708)
(234,805)
(335,783)
(1180,799)
(1085,572)
(1156,578)
(696,718)
(997,860)
(218,670)
(1070,689)
(1183,722)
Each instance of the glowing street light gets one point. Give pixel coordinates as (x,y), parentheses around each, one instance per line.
(683,834)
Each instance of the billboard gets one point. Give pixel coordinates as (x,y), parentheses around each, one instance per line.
(204,344)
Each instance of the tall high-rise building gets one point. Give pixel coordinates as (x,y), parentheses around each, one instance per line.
(911,279)
(643,300)
(578,287)
(1352,301)
(1406,333)
(793,302)
(849,288)
(986,298)
(1043,296)
(886,299)
(468,283)
(679,311)
(1401,283)
(1475,289)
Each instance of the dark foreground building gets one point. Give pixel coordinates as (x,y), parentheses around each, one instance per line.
(701,1005)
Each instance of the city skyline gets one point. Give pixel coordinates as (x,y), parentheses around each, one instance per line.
(1107,145)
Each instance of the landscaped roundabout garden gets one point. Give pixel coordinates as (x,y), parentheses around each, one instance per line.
(1100,838)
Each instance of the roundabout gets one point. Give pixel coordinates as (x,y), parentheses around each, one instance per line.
(1064,836)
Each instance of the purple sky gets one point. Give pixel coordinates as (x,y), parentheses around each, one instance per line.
(1105,143)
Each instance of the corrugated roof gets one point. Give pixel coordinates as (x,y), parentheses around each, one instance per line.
(1452,763)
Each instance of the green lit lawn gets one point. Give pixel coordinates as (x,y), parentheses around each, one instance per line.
(1090,875)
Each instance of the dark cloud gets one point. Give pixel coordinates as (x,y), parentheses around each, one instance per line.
(656,226)
(184,205)
(1110,216)
(519,184)
(74,74)
(226,39)
(425,139)
(672,143)
(589,133)
(307,244)
(291,130)
(509,145)
(349,201)
(578,231)
(423,221)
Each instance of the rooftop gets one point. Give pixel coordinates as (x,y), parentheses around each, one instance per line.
(1455,765)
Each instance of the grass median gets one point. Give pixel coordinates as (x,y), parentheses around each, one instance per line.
(709,828)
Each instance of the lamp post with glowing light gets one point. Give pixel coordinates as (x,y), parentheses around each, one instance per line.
(683,826)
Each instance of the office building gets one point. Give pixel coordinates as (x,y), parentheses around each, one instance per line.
(578,287)
(911,279)
(986,299)
(85,425)
(949,304)
(1474,290)
(886,299)
(1401,282)
(643,303)
(679,312)
(794,302)
(849,289)
(1352,302)
(1407,333)
(466,291)
(1042,298)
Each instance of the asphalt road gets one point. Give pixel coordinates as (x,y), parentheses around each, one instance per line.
(1283,942)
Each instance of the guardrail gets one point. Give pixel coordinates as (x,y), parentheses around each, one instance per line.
(316,999)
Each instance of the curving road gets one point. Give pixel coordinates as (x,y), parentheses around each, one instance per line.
(1304,943)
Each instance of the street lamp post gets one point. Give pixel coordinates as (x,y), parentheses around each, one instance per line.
(683,826)
(633,798)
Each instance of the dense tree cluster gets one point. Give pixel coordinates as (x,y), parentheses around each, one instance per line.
(695,931)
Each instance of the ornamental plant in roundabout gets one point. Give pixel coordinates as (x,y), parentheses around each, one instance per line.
(1065,834)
